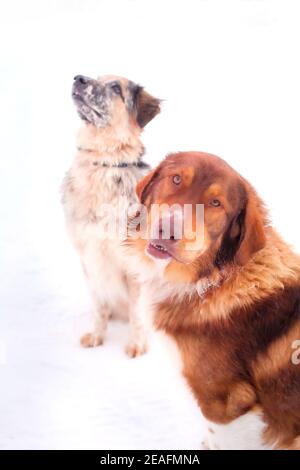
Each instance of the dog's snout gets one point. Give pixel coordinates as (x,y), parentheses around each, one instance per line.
(164,237)
(81,79)
(169,228)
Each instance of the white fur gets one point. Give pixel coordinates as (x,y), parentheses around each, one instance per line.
(85,189)
(243,433)
(158,287)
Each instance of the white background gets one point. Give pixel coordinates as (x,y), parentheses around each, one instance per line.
(229,74)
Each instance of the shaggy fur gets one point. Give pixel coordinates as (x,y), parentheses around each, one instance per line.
(232,306)
(106,169)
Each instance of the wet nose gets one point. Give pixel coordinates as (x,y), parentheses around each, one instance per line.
(81,79)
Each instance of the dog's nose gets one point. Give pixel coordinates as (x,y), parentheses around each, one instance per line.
(170,228)
(81,79)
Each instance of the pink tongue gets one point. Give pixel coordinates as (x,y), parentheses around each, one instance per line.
(156,252)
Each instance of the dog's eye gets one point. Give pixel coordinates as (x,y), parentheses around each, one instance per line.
(215,203)
(177,179)
(116,88)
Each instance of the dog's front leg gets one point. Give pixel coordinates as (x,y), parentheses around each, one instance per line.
(101,315)
(138,343)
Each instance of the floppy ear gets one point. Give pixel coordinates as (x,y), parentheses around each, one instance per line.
(252,234)
(147,107)
(246,233)
(143,185)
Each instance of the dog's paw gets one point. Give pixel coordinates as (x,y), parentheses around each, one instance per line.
(135,348)
(91,340)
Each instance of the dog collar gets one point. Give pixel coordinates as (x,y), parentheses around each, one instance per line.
(138,164)
(121,165)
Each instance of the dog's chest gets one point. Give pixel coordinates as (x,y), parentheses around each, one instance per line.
(113,185)
(90,194)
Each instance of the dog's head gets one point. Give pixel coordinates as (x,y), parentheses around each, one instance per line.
(111,100)
(223,219)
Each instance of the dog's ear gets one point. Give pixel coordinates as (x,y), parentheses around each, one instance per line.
(147,107)
(246,233)
(252,235)
(144,184)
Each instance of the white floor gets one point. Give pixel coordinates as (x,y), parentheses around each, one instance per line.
(55,395)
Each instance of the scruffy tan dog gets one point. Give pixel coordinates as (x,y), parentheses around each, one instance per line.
(105,171)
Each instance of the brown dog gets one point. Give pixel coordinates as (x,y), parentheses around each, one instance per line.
(231,304)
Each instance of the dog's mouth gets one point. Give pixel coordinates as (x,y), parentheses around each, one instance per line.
(158,249)
(166,249)
(82,105)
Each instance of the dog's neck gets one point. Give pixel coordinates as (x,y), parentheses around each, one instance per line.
(109,145)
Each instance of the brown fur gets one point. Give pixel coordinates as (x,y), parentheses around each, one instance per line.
(236,338)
